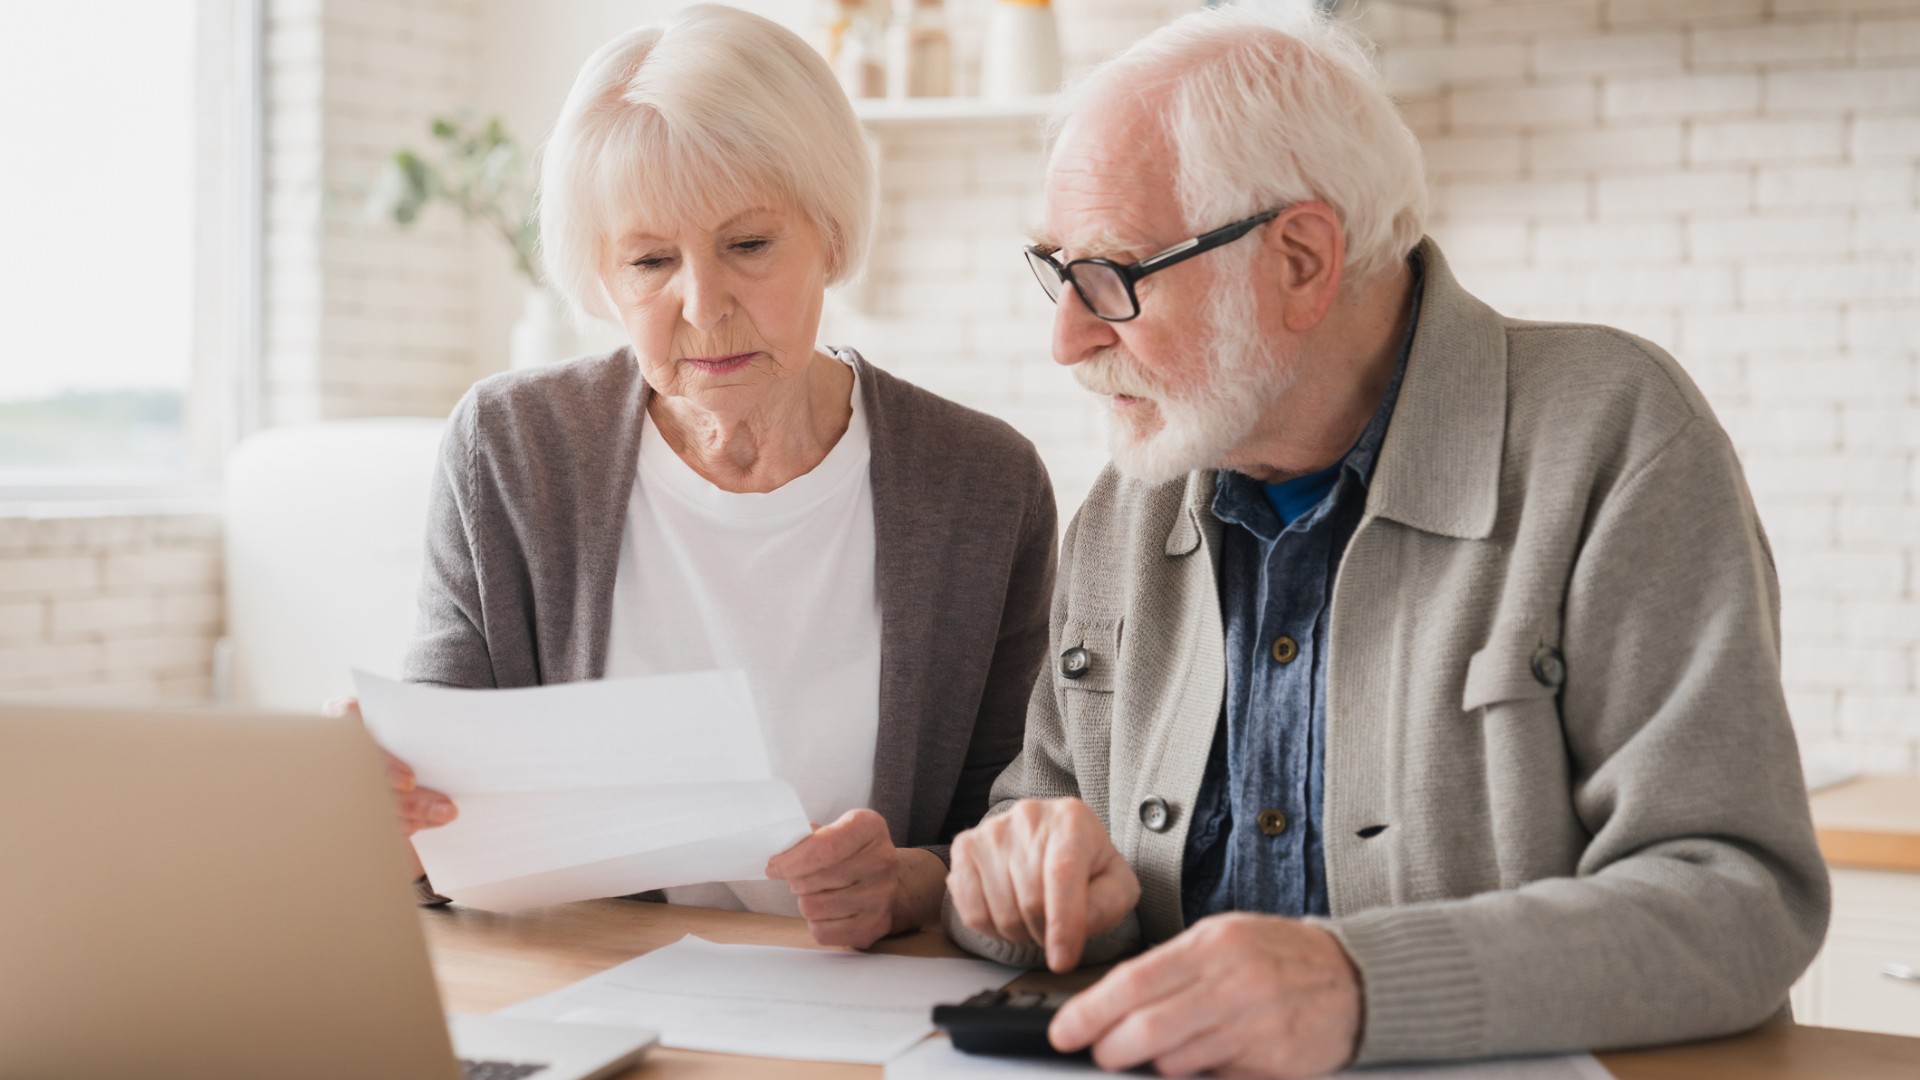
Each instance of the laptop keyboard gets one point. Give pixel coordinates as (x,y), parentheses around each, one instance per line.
(498,1070)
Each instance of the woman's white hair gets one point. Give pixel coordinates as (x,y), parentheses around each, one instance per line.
(713,109)
(1266,110)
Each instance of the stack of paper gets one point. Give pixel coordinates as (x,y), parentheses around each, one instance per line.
(814,1004)
(588,789)
(936,1059)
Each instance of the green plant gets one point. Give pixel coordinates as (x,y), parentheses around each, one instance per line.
(480,171)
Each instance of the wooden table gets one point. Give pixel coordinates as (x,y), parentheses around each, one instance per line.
(1869,832)
(1870,823)
(485,962)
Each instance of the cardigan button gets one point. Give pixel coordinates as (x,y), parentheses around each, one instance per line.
(1549,668)
(1075,662)
(1155,814)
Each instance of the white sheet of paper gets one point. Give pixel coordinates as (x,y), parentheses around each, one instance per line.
(814,1004)
(936,1059)
(588,789)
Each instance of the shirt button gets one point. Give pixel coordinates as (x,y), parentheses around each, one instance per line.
(1285,649)
(1075,662)
(1272,822)
(1549,668)
(1154,814)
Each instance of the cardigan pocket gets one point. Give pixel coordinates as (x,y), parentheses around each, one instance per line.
(1511,691)
(1516,665)
(1085,674)
(1089,655)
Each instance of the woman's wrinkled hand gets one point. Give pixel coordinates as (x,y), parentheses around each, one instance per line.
(417,807)
(854,886)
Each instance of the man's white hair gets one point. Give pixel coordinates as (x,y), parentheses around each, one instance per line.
(1264,110)
(713,109)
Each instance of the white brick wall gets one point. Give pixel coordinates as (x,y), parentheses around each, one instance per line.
(1740,182)
(948,301)
(362,319)
(115,607)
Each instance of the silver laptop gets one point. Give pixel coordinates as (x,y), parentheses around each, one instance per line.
(223,895)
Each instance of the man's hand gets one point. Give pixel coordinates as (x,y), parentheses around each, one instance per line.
(1242,995)
(1043,873)
(854,887)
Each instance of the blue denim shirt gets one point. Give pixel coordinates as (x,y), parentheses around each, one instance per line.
(1255,841)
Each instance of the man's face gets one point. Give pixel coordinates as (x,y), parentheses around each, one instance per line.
(1191,375)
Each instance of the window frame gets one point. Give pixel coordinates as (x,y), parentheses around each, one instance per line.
(222,396)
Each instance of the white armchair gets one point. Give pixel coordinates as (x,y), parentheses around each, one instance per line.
(325,525)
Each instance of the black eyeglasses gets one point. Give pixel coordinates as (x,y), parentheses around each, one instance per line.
(1106,287)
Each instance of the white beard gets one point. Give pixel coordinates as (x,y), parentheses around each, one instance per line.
(1198,428)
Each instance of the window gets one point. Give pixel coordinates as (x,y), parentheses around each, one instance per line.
(114,224)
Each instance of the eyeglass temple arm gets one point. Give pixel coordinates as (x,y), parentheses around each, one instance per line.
(1186,249)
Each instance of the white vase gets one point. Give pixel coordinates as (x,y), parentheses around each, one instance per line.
(1022,52)
(541,334)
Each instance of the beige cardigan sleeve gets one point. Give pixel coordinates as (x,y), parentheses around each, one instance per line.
(1043,770)
(1701,894)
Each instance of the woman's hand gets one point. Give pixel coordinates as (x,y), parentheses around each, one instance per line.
(417,807)
(855,887)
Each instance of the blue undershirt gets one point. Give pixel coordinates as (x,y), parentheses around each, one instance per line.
(1291,499)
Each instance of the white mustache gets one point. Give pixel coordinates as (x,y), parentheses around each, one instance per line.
(1113,371)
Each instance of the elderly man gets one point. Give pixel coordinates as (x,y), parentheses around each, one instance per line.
(1415,688)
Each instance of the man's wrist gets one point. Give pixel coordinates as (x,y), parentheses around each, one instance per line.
(1359,996)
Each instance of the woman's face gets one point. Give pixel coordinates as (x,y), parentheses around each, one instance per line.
(720,311)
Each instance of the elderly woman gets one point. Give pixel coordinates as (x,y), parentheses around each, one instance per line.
(722,492)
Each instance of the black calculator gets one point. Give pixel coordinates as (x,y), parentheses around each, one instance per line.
(1005,1023)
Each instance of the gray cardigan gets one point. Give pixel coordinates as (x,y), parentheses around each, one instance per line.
(1563,801)
(523,537)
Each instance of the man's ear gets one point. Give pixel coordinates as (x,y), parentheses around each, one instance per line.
(1306,250)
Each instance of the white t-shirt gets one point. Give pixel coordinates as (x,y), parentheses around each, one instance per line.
(779,584)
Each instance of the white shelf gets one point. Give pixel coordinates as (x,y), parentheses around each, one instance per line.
(884,111)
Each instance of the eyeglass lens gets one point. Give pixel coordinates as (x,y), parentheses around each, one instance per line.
(1103,290)
(1101,287)
(1047,274)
